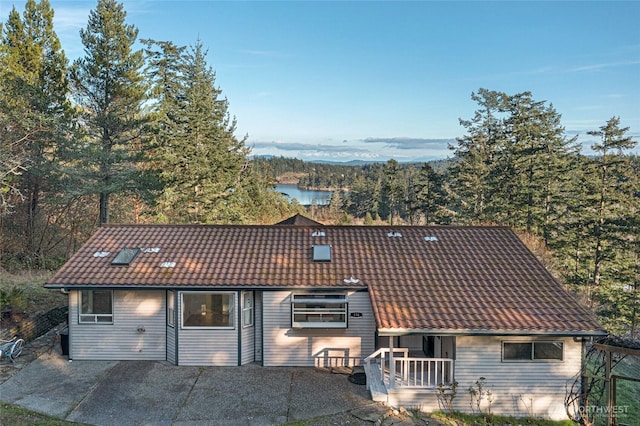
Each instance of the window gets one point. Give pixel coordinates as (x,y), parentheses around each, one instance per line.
(125,256)
(96,307)
(322,253)
(319,310)
(532,351)
(171,309)
(247,308)
(207,310)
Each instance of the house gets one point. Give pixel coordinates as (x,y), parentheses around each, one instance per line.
(418,306)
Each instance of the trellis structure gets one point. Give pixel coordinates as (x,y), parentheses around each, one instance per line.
(595,392)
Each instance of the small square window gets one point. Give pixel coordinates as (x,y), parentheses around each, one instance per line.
(517,351)
(548,351)
(322,253)
(96,307)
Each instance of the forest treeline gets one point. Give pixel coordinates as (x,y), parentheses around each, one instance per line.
(123,133)
(515,166)
(137,131)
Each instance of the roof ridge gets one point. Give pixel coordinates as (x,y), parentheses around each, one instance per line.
(276,226)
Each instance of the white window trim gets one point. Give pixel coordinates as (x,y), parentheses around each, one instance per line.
(300,298)
(232,310)
(248,311)
(84,318)
(533,344)
(171,309)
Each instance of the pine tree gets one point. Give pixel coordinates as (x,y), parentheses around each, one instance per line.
(36,112)
(607,170)
(536,154)
(204,165)
(109,87)
(392,190)
(474,169)
(431,196)
(608,200)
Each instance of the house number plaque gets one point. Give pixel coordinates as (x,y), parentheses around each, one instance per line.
(356,314)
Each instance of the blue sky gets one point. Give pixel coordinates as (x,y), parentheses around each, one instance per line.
(347,80)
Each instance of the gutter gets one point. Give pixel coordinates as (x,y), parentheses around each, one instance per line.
(488,332)
(67,287)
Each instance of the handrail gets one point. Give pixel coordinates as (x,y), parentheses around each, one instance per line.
(413,372)
(382,351)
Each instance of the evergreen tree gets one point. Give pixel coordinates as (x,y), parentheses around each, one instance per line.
(475,154)
(606,194)
(204,166)
(536,153)
(392,189)
(109,87)
(36,112)
(431,196)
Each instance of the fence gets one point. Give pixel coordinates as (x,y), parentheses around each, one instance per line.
(34,327)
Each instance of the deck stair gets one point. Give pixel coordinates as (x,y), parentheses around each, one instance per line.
(374,382)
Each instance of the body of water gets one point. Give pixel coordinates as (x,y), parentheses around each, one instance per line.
(305,197)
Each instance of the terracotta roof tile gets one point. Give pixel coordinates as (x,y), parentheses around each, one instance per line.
(472,279)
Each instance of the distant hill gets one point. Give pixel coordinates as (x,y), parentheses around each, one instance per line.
(345,163)
(329,175)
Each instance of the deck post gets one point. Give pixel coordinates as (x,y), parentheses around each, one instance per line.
(392,365)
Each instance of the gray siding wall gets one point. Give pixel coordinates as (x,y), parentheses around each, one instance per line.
(248,335)
(207,347)
(122,340)
(285,346)
(171,333)
(519,388)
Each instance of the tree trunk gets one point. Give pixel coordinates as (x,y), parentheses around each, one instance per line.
(104,207)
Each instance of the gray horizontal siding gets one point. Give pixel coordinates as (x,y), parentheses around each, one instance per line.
(132,310)
(519,388)
(285,346)
(218,348)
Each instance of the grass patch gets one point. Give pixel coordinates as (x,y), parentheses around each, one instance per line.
(16,416)
(628,392)
(30,284)
(461,419)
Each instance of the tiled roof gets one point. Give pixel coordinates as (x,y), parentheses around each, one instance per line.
(444,279)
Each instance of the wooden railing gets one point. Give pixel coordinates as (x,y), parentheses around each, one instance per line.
(408,372)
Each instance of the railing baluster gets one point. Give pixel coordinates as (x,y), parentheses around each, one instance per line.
(412,371)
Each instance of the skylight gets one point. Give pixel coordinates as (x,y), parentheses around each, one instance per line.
(126,256)
(322,253)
